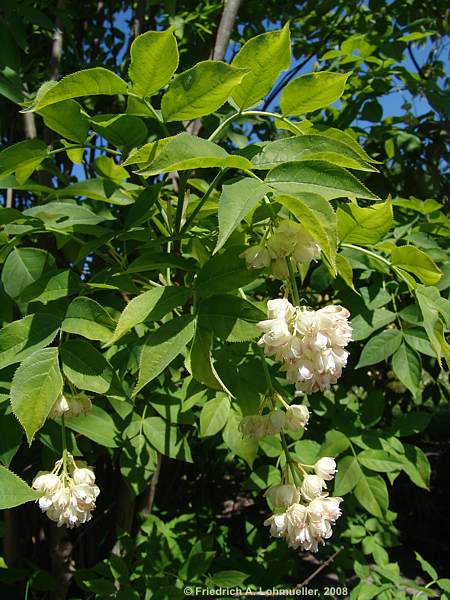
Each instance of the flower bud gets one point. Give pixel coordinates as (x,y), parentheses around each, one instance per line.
(325,468)
(312,487)
(256,257)
(276,422)
(79,404)
(283,495)
(61,407)
(297,416)
(253,426)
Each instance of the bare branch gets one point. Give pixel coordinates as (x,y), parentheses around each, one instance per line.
(225,29)
(57,43)
(319,569)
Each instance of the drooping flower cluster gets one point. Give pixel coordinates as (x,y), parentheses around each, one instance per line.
(71,406)
(289,239)
(309,511)
(69,492)
(310,344)
(260,426)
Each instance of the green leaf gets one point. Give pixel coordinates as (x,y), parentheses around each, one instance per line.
(162,436)
(223,273)
(51,286)
(86,367)
(97,425)
(380,347)
(372,494)
(426,567)
(317,177)
(23,337)
(318,218)
(266,55)
(154,59)
(230,318)
(200,90)
(366,322)
(309,147)
(344,270)
(335,443)
(66,215)
(35,387)
(66,119)
(123,131)
(23,267)
(432,307)
(162,347)
(246,448)
(214,415)
(379,460)
(312,91)
(185,151)
(347,476)
(227,579)
(200,359)
(235,202)
(24,155)
(411,423)
(444,584)
(413,260)
(364,226)
(90,82)
(100,189)
(417,466)
(407,367)
(151,305)
(88,318)
(14,491)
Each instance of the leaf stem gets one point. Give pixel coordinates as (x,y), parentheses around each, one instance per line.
(157,116)
(289,460)
(293,282)
(64,444)
(202,201)
(247,113)
(368,252)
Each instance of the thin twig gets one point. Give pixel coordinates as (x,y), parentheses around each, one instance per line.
(319,569)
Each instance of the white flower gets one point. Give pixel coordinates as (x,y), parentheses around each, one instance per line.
(312,487)
(331,509)
(280,308)
(283,495)
(83,475)
(309,344)
(69,497)
(278,525)
(297,416)
(256,257)
(325,468)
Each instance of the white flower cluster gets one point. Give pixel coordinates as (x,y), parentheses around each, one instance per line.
(310,344)
(71,406)
(68,499)
(305,525)
(260,426)
(289,239)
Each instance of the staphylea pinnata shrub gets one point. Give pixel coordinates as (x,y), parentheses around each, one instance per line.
(181,290)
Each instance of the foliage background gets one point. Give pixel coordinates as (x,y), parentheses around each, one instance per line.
(209,512)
